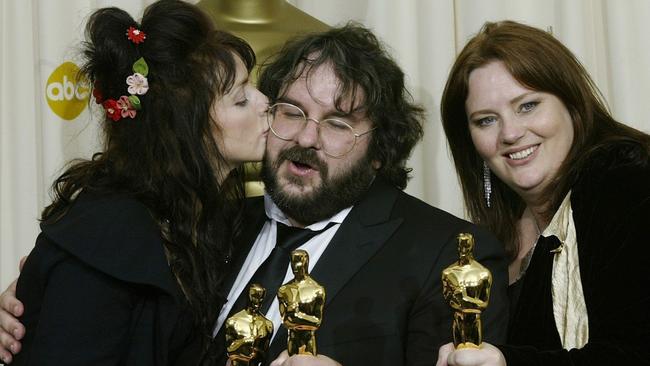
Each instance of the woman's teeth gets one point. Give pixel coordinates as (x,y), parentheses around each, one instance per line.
(522,154)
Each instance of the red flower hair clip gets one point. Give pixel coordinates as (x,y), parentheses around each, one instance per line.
(135,35)
(113,111)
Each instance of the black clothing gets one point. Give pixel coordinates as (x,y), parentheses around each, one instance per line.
(97,290)
(382,277)
(611,213)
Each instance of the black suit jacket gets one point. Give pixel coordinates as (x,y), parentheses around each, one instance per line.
(382,275)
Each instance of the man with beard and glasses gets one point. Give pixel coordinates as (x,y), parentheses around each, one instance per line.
(342,126)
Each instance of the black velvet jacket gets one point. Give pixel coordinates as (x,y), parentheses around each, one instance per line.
(97,290)
(611,212)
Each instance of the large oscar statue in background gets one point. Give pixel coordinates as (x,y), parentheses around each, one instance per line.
(266,25)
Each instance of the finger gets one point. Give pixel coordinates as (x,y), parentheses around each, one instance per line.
(443,354)
(298,360)
(309,360)
(5,356)
(22,263)
(9,302)
(6,340)
(466,357)
(8,343)
(328,360)
(11,326)
(281,358)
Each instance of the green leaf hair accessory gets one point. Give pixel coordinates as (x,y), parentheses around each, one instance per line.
(141,67)
(135,102)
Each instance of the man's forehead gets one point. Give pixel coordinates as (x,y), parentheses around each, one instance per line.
(320,84)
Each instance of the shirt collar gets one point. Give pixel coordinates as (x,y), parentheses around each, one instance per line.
(559,225)
(273,212)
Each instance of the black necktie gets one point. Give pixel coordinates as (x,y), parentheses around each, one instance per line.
(271,272)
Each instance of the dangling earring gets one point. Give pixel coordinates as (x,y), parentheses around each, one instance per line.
(487,183)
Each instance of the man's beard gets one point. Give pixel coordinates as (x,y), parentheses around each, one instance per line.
(333,195)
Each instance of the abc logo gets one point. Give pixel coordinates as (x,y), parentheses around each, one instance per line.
(67,93)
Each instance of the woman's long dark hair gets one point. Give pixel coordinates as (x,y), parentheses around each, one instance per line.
(166,157)
(539,62)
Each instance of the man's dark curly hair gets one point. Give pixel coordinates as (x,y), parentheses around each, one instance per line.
(364,70)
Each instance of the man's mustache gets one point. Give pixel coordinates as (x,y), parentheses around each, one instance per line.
(303,156)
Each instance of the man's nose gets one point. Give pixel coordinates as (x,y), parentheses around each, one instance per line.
(308,136)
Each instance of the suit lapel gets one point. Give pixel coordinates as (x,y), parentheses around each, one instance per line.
(361,235)
(364,231)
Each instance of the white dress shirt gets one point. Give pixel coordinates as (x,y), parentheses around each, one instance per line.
(262,248)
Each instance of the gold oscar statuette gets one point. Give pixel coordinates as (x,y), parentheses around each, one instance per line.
(301,306)
(248,333)
(466,287)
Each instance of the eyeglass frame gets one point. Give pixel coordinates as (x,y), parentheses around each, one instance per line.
(307,119)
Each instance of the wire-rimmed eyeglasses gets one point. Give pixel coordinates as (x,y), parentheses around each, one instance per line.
(336,136)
